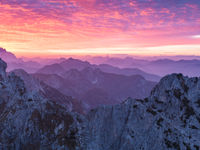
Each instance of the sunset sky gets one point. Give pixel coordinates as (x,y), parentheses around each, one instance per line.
(137,27)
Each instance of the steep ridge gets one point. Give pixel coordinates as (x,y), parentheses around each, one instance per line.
(168,119)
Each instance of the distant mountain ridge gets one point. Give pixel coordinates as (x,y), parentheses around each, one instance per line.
(151,70)
(128,72)
(167,66)
(159,66)
(80,65)
(95,87)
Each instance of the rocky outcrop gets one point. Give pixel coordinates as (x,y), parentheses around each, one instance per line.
(168,119)
(29,121)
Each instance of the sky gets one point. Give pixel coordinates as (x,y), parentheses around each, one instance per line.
(137,27)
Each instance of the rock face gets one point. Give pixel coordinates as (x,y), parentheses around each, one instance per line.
(168,119)
(28,121)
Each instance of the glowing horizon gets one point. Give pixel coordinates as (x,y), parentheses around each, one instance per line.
(100,27)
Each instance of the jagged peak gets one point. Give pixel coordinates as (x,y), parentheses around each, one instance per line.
(171,81)
(175,86)
(2,50)
(73,60)
(4,54)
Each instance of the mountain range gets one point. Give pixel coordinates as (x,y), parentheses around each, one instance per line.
(60,65)
(95,87)
(169,118)
(159,66)
(150,69)
(60,68)
(86,83)
(166,66)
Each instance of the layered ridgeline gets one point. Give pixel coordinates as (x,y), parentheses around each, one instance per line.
(187,65)
(94,87)
(68,64)
(168,119)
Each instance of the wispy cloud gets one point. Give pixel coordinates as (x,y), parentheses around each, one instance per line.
(69,24)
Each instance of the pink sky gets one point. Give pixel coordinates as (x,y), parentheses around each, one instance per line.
(137,27)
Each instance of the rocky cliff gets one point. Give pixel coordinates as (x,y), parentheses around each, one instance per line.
(29,121)
(168,119)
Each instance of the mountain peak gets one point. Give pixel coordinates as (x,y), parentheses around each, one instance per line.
(7,56)
(171,82)
(73,60)
(175,87)
(2,50)
(72,63)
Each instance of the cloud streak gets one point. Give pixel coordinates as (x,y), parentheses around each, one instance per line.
(71,24)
